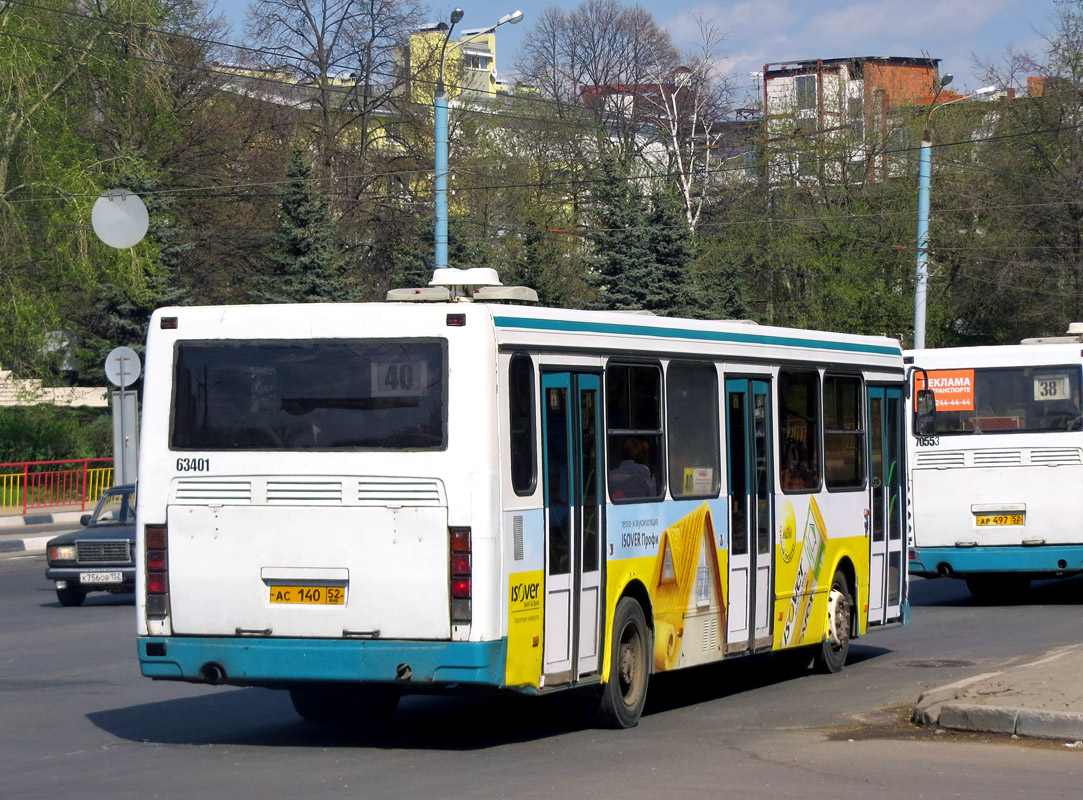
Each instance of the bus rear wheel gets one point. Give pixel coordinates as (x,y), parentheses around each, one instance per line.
(625,693)
(831,656)
(990,587)
(342,704)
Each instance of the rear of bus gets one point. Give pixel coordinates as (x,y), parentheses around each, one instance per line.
(309,517)
(996,486)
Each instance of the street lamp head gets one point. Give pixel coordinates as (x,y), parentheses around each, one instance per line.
(985,90)
(512,19)
(945,79)
(456,16)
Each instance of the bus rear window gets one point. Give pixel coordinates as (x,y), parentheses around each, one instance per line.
(322,394)
(1006,400)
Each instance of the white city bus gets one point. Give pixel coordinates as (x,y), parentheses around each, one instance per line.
(996,483)
(355,502)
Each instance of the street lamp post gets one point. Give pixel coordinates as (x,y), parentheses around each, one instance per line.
(440,116)
(925,161)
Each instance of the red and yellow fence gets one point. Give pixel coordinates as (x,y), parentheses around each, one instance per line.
(40,484)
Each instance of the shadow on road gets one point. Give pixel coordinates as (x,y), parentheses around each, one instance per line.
(953,592)
(265,717)
(94,599)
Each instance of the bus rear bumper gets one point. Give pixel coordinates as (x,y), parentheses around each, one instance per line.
(416,666)
(1037,560)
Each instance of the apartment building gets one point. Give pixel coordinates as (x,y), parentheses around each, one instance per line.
(837,119)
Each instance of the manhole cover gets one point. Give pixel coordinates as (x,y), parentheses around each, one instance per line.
(939,662)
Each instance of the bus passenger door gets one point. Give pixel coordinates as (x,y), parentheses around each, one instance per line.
(571,427)
(886,563)
(751,478)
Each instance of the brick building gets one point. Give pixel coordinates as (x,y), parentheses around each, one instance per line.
(845,107)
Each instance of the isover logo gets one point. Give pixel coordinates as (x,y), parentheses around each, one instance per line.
(526,593)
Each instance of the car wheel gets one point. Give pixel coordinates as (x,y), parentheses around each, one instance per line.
(70,595)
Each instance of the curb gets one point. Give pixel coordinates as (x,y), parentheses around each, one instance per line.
(22,520)
(930,703)
(948,707)
(35,544)
(1012,721)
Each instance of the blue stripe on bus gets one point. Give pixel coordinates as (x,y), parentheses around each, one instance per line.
(571,326)
(1017,558)
(270,662)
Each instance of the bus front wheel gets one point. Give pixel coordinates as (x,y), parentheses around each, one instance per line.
(625,693)
(831,657)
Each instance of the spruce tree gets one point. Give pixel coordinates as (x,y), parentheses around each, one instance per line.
(305,264)
(623,271)
(670,242)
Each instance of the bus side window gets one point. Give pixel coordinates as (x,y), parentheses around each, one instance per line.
(692,429)
(634,434)
(522,424)
(799,420)
(844,436)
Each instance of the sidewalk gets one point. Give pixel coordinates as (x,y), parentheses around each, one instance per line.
(17,531)
(1040,699)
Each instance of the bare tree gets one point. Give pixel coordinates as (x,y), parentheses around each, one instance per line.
(602,55)
(344,50)
(690,108)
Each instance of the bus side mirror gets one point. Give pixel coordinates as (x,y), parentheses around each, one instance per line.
(925,416)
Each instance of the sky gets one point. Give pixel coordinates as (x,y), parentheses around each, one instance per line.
(774,31)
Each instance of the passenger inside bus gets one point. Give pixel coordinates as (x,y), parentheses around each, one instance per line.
(796,473)
(633,477)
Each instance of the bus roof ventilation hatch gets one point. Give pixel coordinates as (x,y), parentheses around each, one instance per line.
(451,284)
(1073,335)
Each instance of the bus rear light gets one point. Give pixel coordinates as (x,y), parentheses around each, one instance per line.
(154,536)
(460,540)
(156,560)
(460,569)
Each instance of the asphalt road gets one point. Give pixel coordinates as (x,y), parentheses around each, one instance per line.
(76,718)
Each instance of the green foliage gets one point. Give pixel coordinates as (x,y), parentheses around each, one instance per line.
(49,433)
(94,96)
(622,270)
(643,247)
(305,266)
(719,282)
(670,242)
(548,261)
(86,104)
